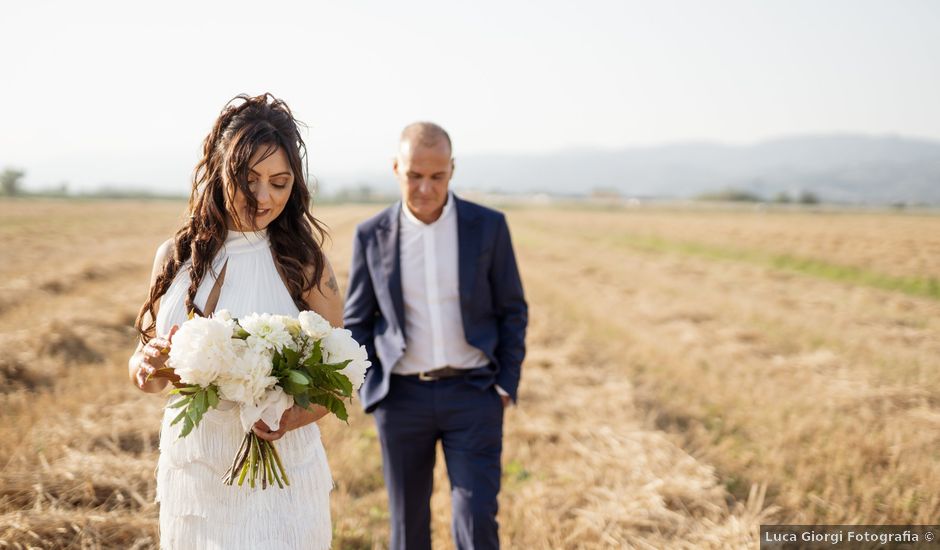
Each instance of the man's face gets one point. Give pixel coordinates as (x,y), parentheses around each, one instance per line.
(424,172)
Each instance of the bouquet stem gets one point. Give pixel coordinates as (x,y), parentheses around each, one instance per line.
(257,461)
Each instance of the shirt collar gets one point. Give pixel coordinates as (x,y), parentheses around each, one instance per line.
(448,208)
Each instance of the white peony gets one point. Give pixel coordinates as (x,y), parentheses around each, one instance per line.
(226,317)
(248,376)
(339,346)
(267,332)
(314,324)
(222,315)
(202,349)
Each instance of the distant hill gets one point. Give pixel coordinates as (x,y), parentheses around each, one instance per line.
(837,168)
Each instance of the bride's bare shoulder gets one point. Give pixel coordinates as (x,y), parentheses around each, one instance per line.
(326,299)
(328,285)
(164,253)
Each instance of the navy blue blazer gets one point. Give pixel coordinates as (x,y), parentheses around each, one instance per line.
(493,305)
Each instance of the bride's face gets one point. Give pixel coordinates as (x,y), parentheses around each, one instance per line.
(270,179)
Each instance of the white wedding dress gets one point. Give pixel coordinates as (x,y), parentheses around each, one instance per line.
(196,509)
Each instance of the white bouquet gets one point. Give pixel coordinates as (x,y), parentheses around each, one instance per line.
(264,363)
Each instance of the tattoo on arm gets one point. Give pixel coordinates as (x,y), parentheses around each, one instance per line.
(331,284)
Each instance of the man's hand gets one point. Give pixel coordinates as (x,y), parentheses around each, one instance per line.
(504,395)
(293,418)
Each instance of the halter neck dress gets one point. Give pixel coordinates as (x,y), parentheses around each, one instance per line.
(196,509)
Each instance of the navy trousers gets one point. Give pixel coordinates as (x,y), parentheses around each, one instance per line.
(469,423)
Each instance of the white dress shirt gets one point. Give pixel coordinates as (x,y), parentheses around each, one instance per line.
(430,285)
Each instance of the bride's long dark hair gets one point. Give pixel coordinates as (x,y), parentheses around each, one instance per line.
(246,125)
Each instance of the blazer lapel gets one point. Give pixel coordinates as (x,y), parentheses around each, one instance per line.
(468,246)
(387,237)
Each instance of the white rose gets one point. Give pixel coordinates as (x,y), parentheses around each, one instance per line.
(355,372)
(202,349)
(339,346)
(314,324)
(292,325)
(266,331)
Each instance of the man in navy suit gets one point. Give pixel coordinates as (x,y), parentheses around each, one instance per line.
(435,296)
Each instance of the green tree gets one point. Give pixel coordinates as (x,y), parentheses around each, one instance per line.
(10,181)
(808,197)
(783,197)
(730,195)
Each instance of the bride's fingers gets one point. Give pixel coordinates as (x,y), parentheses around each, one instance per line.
(152,362)
(144,371)
(160,344)
(275,435)
(145,364)
(265,434)
(141,377)
(262,430)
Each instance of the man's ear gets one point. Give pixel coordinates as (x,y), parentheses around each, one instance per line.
(453,167)
(395,165)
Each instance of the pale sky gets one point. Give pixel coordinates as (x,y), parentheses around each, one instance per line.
(122,93)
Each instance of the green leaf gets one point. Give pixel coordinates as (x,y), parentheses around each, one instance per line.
(332,404)
(187,426)
(213,397)
(201,401)
(180,403)
(303,400)
(341,383)
(195,414)
(298,377)
(338,366)
(293,388)
(316,375)
(317,352)
(179,417)
(292,358)
(316,355)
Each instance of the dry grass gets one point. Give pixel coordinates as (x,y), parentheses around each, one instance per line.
(824,391)
(890,243)
(670,398)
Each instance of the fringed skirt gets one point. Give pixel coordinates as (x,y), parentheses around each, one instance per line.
(198,511)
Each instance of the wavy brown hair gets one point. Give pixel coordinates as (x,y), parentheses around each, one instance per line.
(246,125)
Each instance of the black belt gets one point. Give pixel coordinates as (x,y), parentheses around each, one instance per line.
(438,374)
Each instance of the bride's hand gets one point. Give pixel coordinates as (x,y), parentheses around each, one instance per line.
(153,360)
(293,418)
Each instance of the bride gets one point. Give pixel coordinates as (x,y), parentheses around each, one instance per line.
(250,245)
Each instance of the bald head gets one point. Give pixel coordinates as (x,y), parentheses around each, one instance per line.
(423,167)
(424,134)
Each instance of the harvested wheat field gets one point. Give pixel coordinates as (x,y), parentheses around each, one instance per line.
(691,374)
